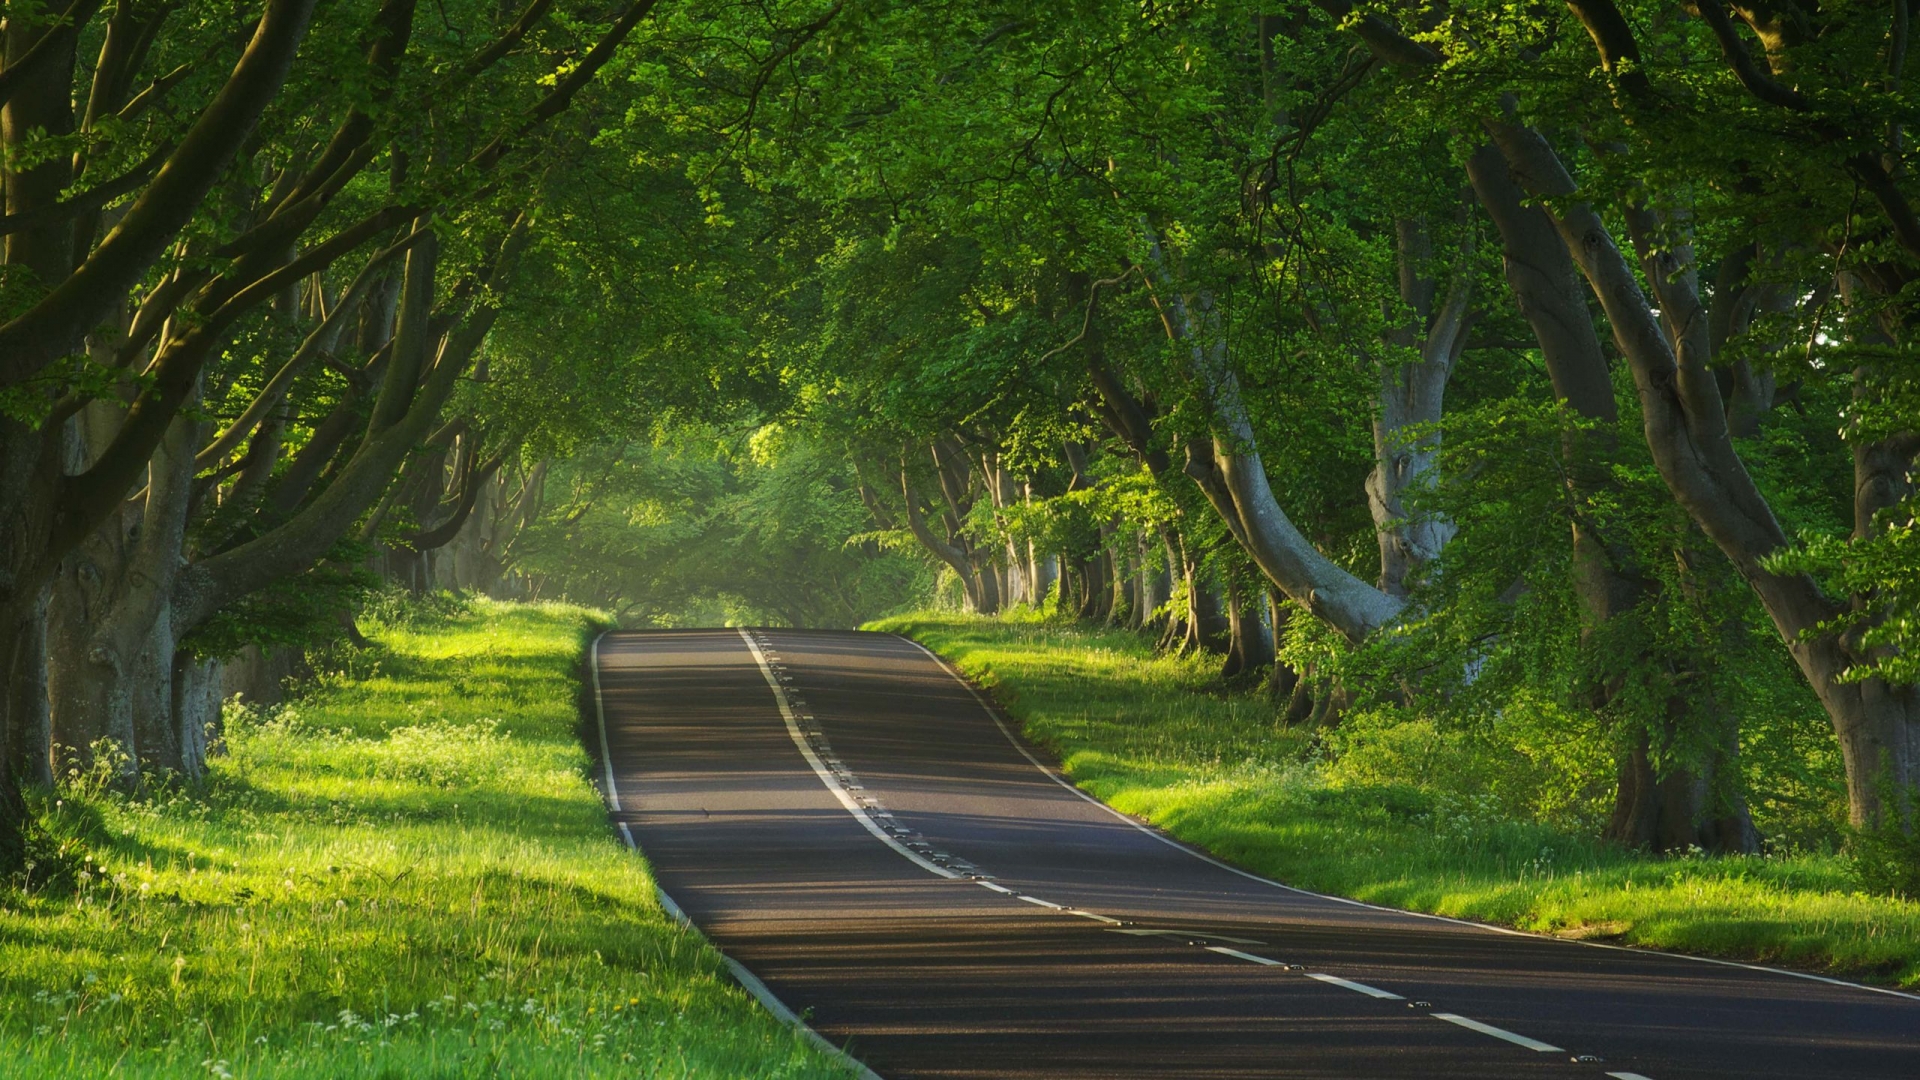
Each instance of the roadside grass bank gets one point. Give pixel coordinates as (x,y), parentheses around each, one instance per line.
(1158,737)
(403,872)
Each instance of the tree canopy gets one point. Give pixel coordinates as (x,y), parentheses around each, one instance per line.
(1461,365)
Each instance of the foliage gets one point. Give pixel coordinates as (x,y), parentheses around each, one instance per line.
(1883,567)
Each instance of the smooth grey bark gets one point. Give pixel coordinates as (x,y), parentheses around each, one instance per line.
(170,695)
(1686,428)
(1412,394)
(480,555)
(1175,629)
(27,704)
(1209,628)
(1283,679)
(1155,585)
(1741,296)
(1003,492)
(1354,607)
(110,671)
(955,477)
(1680,805)
(1288,559)
(1250,646)
(948,552)
(1043,568)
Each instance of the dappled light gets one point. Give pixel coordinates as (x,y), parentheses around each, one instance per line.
(1462,457)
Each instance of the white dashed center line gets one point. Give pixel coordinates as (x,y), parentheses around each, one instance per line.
(1363,988)
(1498,1033)
(1236,953)
(805,731)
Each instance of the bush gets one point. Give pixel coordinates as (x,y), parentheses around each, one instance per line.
(1886,860)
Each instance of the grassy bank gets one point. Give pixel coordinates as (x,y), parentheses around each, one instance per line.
(1156,737)
(404,873)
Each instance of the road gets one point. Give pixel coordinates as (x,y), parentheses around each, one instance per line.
(849,821)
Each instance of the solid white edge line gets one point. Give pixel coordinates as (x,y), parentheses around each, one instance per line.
(1809,976)
(1498,1033)
(1356,987)
(1237,954)
(748,980)
(600,710)
(826,776)
(1629,1076)
(994,715)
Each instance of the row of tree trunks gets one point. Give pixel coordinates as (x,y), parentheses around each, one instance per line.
(1662,801)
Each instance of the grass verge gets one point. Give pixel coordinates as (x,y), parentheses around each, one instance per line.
(403,873)
(1157,737)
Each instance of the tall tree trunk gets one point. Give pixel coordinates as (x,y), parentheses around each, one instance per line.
(1283,679)
(1413,383)
(27,704)
(1156,586)
(1175,630)
(1096,590)
(1250,647)
(1275,544)
(1208,627)
(1685,425)
(21,649)
(194,701)
(111,666)
(1661,807)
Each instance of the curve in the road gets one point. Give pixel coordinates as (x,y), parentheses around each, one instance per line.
(758,769)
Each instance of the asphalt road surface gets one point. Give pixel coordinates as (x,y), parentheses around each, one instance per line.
(846,819)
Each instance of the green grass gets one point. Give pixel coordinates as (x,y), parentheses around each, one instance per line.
(404,873)
(1158,737)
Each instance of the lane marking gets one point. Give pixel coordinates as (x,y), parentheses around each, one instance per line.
(1498,1033)
(748,980)
(1370,991)
(994,715)
(1744,966)
(1238,955)
(600,710)
(772,1003)
(826,776)
(1190,936)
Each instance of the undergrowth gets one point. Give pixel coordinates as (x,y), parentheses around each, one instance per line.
(403,872)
